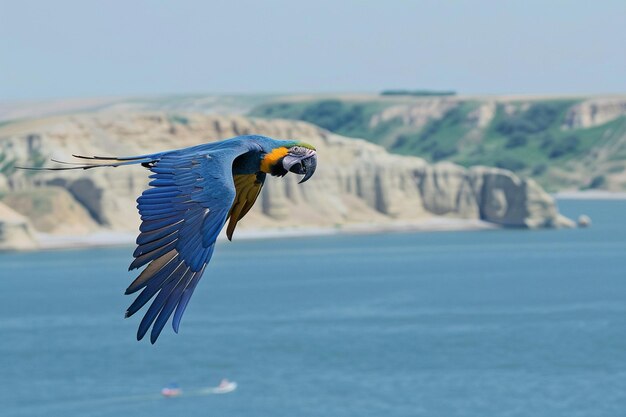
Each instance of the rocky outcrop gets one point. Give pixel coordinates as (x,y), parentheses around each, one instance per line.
(594,112)
(356,181)
(51,210)
(416,113)
(16,233)
(508,200)
(482,115)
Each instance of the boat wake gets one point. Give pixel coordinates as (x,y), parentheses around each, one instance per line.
(199,392)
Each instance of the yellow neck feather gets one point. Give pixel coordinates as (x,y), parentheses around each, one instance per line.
(272,158)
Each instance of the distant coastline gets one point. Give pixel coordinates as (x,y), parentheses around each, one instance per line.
(119,238)
(433,224)
(359,183)
(590,195)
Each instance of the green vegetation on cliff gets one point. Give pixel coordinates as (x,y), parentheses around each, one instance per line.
(530,137)
(346,118)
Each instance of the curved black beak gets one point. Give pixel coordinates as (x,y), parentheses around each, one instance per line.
(305,167)
(309,165)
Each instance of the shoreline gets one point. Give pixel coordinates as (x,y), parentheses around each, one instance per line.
(121,238)
(590,195)
(110,238)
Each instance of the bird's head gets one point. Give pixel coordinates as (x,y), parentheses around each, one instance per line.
(299,158)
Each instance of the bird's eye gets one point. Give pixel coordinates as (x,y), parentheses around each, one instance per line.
(297,150)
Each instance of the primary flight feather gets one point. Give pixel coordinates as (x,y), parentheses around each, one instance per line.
(193,193)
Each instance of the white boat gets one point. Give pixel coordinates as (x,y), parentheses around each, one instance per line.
(171,392)
(223,388)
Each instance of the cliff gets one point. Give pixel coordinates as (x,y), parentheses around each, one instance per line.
(15,230)
(594,112)
(562,142)
(357,182)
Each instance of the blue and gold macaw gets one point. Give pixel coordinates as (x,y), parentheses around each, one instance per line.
(194,192)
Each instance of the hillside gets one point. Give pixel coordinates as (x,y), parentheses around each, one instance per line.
(357,184)
(563,143)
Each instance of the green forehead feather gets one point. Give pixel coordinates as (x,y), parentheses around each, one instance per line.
(306,145)
(301,144)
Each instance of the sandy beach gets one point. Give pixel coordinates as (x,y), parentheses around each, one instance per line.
(590,195)
(119,238)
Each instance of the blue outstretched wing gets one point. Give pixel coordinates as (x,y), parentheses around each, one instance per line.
(192,194)
(182,214)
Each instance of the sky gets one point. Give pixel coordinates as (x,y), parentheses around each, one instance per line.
(63,48)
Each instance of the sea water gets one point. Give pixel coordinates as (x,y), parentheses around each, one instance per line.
(490,323)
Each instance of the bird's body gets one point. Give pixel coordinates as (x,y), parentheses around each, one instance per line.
(193,192)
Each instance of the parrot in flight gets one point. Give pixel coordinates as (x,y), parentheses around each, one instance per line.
(193,193)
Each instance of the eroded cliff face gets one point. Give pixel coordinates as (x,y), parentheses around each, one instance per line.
(16,232)
(594,112)
(416,114)
(356,181)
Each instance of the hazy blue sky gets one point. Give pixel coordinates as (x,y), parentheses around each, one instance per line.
(62,48)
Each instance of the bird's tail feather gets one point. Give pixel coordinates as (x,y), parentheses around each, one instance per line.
(111,161)
(114,158)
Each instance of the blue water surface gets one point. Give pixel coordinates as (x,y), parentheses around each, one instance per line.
(492,323)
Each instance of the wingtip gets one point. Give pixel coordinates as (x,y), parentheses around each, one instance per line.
(140,335)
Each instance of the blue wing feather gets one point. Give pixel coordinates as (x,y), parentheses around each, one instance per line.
(200,258)
(183,213)
(155,244)
(170,304)
(151,286)
(187,293)
(157,304)
(146,237)
(152,225)
(173,190)
(155,269)
(145,258)
(157,209)
(191,196)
